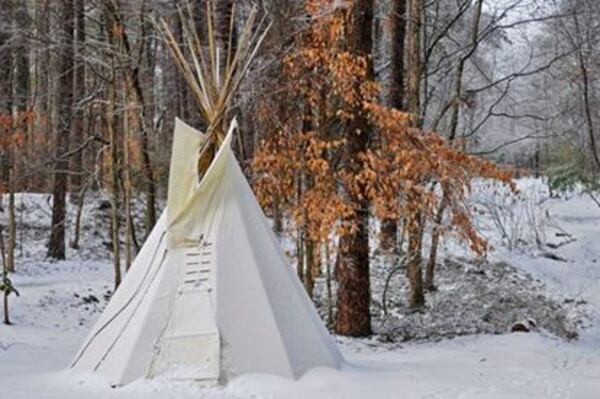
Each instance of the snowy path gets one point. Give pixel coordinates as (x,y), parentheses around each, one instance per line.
(51,321)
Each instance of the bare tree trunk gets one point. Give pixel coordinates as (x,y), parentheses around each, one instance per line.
(56,245)
(12,227)
(328,283)
(313,266)
(114,184)
(413,267)
(44,106)
(300,237)
(460,72)
(79,90)
(20,84)
(127,181)
(21,55)
(225,31)
(415,226)
(435,239)
(5,58)
(112,25)
(6,290)
(354,294)
(413,43)
(389,227)
(80,204)
(300,254)
(309,278)
(6,86)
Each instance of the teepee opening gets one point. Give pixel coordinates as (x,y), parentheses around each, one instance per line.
(211,294)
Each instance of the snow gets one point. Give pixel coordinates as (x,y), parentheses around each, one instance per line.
(58,305)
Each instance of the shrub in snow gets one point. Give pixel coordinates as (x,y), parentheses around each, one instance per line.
(472,299)
(512,220)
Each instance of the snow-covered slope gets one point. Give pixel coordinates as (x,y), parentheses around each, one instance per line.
(59,301)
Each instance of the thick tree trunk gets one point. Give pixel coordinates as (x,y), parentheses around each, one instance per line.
(415,226)
(309,278)
(5,58)
(354,294)
(21,56)
(413,267)
(413,43)
(388,234)
(313,266)
(389,227)
(56,245)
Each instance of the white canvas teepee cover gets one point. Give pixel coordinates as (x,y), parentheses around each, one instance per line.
(210,295)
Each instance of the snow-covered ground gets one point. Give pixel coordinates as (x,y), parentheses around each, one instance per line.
(59,302)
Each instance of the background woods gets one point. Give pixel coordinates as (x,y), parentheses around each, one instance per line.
(364,124)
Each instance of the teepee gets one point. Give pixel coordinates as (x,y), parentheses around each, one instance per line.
(210,294)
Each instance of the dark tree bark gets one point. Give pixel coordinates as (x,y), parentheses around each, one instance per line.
(223,14)
(6,84)
(389,227)
(20,102)
(43,89)
(398,19)
(354,296)
(21,56)
(415,67)
(413,267)
(5,59)
(111,123)
(56,245)
(413,103)
(79,91)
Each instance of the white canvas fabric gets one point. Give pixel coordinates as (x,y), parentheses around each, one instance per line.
(211,294)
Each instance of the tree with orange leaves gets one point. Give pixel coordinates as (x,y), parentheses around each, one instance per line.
(358,157)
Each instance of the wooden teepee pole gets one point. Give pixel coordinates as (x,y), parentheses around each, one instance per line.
(213,85)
